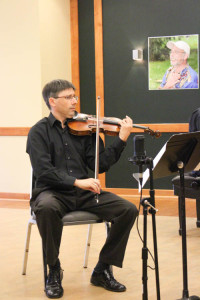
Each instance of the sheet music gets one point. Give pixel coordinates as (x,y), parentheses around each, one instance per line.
(155,162)
(197,168)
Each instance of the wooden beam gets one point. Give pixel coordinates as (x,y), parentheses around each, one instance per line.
(75,48)
(21,196)
(168,127)
(98,33)
(99,78)
(177,127)
(14,131)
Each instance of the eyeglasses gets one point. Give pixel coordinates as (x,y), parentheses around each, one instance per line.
(70,97)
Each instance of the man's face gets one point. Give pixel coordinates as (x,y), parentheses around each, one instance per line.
(65,103)
(177,56)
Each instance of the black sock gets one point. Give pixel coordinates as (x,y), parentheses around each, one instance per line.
(100,267)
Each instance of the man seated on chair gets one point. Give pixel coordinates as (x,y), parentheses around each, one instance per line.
(60,161)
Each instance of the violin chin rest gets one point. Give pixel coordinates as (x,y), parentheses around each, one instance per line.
(79,116)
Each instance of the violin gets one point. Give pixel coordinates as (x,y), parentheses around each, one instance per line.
(83,124)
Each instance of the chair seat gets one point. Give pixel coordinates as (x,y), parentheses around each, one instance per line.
(191,184)
(77,217)
(80,217)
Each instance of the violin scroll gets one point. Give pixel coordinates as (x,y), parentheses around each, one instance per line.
(151,132)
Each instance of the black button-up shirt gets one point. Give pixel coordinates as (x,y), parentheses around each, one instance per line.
(59,158)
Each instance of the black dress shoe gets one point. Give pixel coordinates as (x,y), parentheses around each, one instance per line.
(106,280)
(53,287)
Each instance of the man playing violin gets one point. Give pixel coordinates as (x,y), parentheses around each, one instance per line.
(60,161)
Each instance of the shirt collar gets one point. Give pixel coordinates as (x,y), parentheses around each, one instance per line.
(53,120)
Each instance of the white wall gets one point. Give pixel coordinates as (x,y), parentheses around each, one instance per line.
(34,48)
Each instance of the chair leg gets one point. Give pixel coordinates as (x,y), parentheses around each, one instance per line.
(198,211)
(44,266)
(87,248)
(26,250)
(107,224)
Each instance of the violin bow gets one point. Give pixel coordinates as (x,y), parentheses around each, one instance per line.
(97,143)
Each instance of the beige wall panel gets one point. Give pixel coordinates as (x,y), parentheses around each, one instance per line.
(55,42)
(20,81)
(34,48)
(15,166)
(20,84)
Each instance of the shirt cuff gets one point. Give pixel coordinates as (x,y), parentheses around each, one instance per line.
(119,143)
(69,182)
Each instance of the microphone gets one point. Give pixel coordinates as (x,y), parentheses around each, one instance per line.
(146,202)
(138,146)
(139,154)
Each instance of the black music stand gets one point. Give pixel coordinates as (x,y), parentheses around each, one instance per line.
(180,154)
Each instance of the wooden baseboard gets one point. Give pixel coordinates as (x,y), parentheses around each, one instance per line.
(123,192)
(134,192)
(166,202)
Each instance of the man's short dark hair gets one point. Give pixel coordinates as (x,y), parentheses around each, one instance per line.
(52,89)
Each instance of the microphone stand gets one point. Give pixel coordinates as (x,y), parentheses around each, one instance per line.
(144,251)
(148,202)
(152,211)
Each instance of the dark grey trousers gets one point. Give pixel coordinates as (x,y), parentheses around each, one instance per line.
(50,206)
